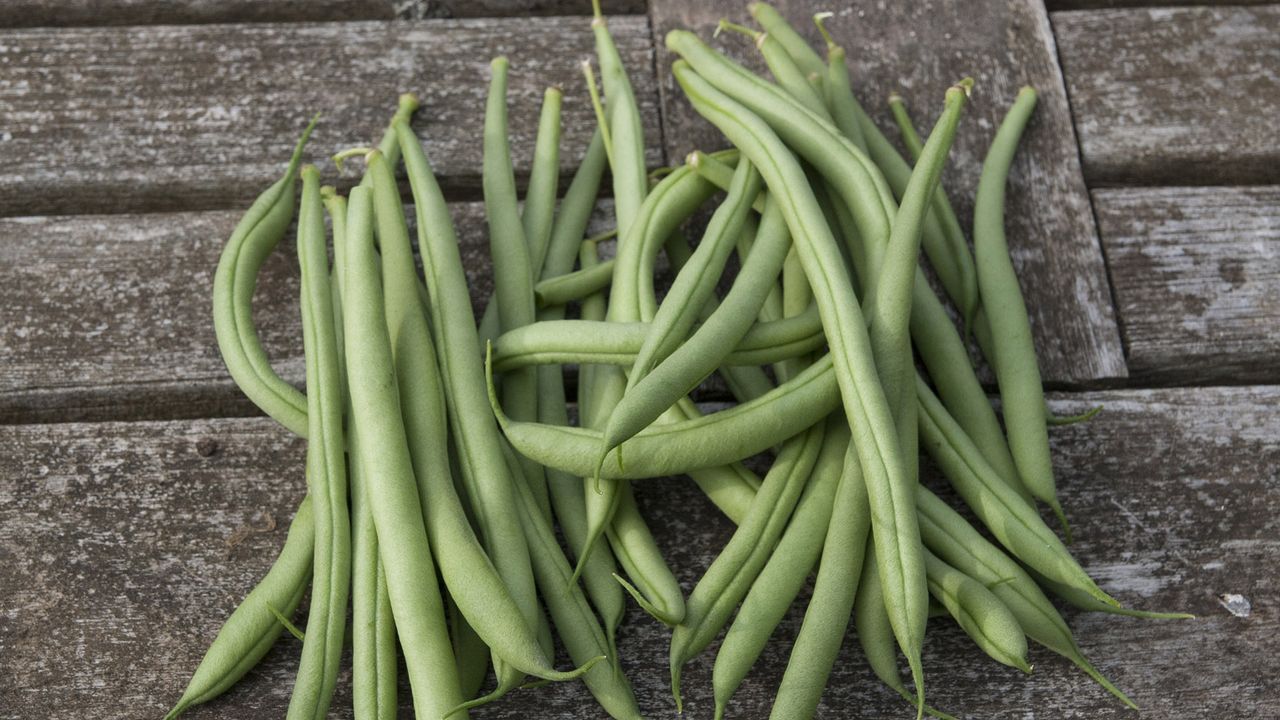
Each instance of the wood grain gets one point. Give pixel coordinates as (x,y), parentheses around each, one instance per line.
(116,571)
(202,117)
(108,317)
(1197,281)
(499,8)
(67,13)
(1184,96)
(919,49)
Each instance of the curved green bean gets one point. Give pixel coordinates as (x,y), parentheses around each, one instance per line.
(1017,372)
(485,475)
(981,614)
(672,448)
(252,628)
(573,286)
(253,239)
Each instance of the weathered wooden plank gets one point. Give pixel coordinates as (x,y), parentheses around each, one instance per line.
(1184,96)
(1197,280)
(498,8)
(1055,5)
(116,571)
(107,317)
(919,49)
(68,13)
(200,117)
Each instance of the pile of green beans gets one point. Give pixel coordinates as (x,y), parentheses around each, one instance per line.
(469,524)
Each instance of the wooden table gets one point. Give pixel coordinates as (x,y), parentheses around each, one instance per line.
(141,496)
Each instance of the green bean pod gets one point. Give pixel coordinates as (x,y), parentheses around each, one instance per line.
(326,476)
(948,535)
(692,288)
(550,342)
(827,617)
(880,455)
(386,464)
(1017,372)
(253,239)
(486,477)
(374,663)
(1011,520)
(578,626)
(778,584)
(573,286)
(666,449)
(252,628)
(538,214)
(981,614)
(731,575)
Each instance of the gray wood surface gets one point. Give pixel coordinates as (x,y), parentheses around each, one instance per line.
(201,117)
(1184,96)
(64,13)
(117,571)
(498,8)
(108,317)
(1197,280)
(919,49)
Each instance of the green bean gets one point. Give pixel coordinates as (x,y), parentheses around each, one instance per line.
(777,585)
(948,225)
(943,239)
(573,286)
(385,463)
(373,629)
(731,575)
(675,447)
(653,586)
(1011,520)
(942,349)
(252,628)
(865,406)
(728,326)
(254,237)
(796,46)
(578,626)
(692,288)
(473,429)
(575,212)
(539,209)
(584,341)
(567,499)
(327,481)
(373,632)
(490,603)
(512,268)
(834,590)
(1021,393)
(981,614)
(471,653)
(910,138)
(889,302)
(1079,598)
(875,634)
(785,70)
(948,535)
